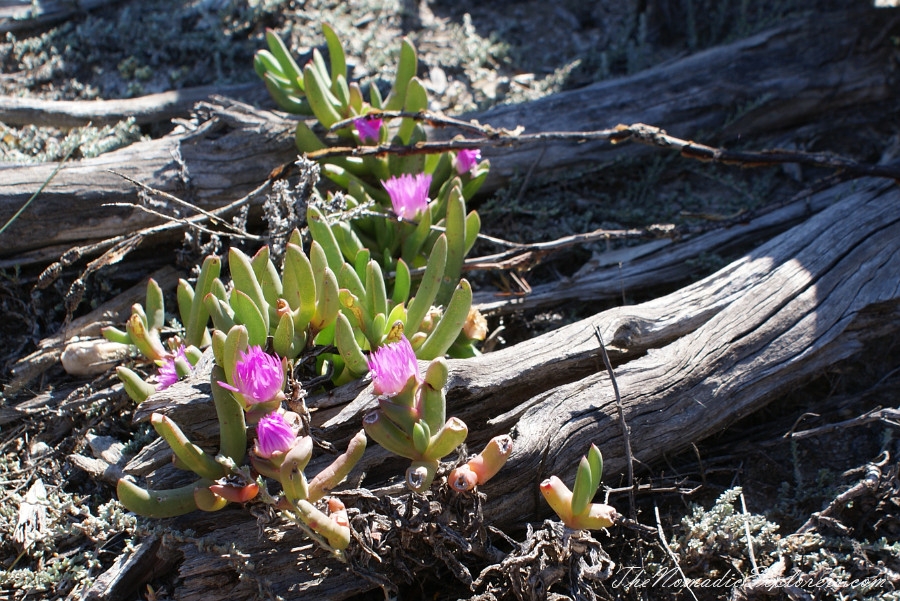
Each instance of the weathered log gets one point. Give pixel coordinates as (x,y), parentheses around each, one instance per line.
(690,364)
(789,75)
(656,264)
(776,79)
(152,108)
(22,16)
(230,153)
(111,313)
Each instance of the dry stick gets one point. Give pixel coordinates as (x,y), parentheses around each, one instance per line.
(637,132)
(887,416)
(212,215)
(528,175)
(41,189)
(866,485)
(124,245)
(671,554)
(163,216)
(747,534)
(626,434)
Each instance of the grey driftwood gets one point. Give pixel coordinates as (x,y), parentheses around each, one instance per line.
(688,365)
(781,78)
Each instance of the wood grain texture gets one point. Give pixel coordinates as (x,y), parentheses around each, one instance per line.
(152,108)
(777,79)
(688,365)
(230,153)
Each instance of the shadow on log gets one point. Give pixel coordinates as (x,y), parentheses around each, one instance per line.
(689,364)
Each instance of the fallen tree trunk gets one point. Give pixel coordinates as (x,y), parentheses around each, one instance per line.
(153,108)
(690,364)
(788,75)
(229,154)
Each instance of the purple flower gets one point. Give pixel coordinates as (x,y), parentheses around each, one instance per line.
(368,128)
(273,435)
(258,376)
(466,159)
(409,194)
(168,373)
(392,366)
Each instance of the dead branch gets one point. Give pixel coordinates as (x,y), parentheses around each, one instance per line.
(152,108)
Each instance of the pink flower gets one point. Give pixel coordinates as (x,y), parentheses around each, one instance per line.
(392,366)
(273,435)
(368,128)
(168,373)
(409,194)
(258,376)
(466,159)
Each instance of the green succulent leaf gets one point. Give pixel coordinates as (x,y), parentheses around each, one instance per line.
(195,458)
(236,341)
(595,459)
(402,284)
(406,70)
(320,98)
(328,304)
(157,503)
(389,435)
(281,53)
(305,139)
(421,435)
(135,386)
(335,473)
(195,326)
(283,341)
(376,292)
(322,233)
(232,424)
(248,313)
(336,55)
(299,286)
(354,359)
(450,325)
(155,306)
(455,227)
(583,491)
(114,334)
(285,100)
(428,287)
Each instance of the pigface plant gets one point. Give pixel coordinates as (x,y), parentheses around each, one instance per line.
(400,203)
(375,288)
(574,507)
(411,418)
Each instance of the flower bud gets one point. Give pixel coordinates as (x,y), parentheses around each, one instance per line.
(466,159)
(273,435)
(368,128)
(475,327)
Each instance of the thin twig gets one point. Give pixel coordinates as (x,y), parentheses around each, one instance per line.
(172,218)
(433,119)
(626,434)
(671,554)
(528,175)
(637,132)
(888,416)
(747,534)
(210,214)
(47,181)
